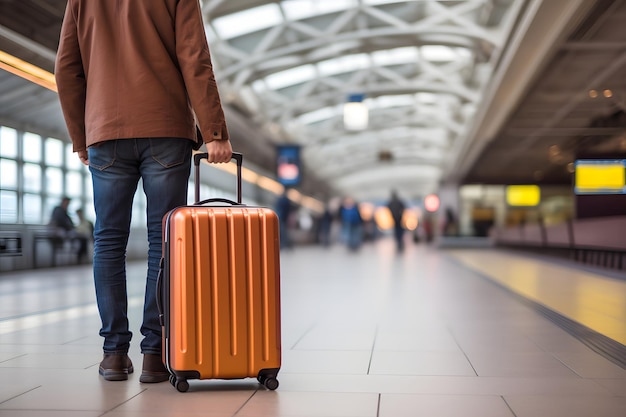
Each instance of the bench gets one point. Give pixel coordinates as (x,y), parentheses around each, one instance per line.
(597,241)
(10,244)
(59,243)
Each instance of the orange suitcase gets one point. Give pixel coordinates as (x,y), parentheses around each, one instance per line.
(219,290)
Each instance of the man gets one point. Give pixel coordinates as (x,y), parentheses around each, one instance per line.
(132,76)
(63,227)
(60,220)
(352,224)
(397,207)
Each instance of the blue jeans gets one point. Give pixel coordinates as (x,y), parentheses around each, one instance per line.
(116,166)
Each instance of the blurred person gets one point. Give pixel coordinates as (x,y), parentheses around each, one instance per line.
(284,210)
(84,229)
(450,227)
(60,220)
(352,224)
(325,226)
(397,208)
(62,227)
(134,78)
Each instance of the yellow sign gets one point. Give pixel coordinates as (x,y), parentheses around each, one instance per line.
(523,195)
(600,177)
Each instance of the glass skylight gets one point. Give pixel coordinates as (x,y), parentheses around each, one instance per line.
(382,102)
(344,64)
(321,114)
(396,56)
(268,15)
(426,98)
(442,53)
(291,76)
(302,9)
(356,62)
(400,100)
(248,21)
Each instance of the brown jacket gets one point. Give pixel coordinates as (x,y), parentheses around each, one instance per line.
(136,69)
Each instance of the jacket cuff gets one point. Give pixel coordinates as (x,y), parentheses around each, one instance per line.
(216,131)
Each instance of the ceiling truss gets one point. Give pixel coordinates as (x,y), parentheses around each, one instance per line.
(438,54)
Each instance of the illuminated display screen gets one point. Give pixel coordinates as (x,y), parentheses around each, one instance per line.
(600,176)
(288,165)
(523,195)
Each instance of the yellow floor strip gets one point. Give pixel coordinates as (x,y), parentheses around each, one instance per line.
(589,299)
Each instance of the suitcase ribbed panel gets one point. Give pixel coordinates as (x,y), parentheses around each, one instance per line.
(224,291)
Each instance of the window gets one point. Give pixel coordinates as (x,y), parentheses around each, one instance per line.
(32,178)
(8,142)
(32,147)
(32,209)
(8,174)
(54,152)
(8,202)
(71,159)
(74,184)
(54,182)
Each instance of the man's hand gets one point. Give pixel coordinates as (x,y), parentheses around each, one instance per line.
(219,151)
(84,157)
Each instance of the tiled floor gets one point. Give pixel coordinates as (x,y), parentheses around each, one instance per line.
(371,334)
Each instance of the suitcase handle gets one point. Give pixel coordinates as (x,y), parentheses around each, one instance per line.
(238,157)
(159,292)
(217,200)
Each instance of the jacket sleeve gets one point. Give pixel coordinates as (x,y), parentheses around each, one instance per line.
(192,51)
(71,82)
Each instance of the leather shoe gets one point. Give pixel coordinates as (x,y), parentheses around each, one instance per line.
(153,369)
(115,367)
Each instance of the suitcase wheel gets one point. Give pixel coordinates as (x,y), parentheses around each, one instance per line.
(270,383)
(267,377)
(180,384)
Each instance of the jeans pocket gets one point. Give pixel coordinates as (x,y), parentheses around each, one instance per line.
(102,155)
(170,152)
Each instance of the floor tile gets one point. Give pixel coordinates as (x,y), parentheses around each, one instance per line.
(326,362)
(493,340)
(73,397)
(310,404)
(421,363)
(54,360)
(417,339)
(168,413)
(323,338)
(202,396)
(394,405)
(519,365)
(567,406)
(49,413)
(616,386)
(551,340)
(591,365)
